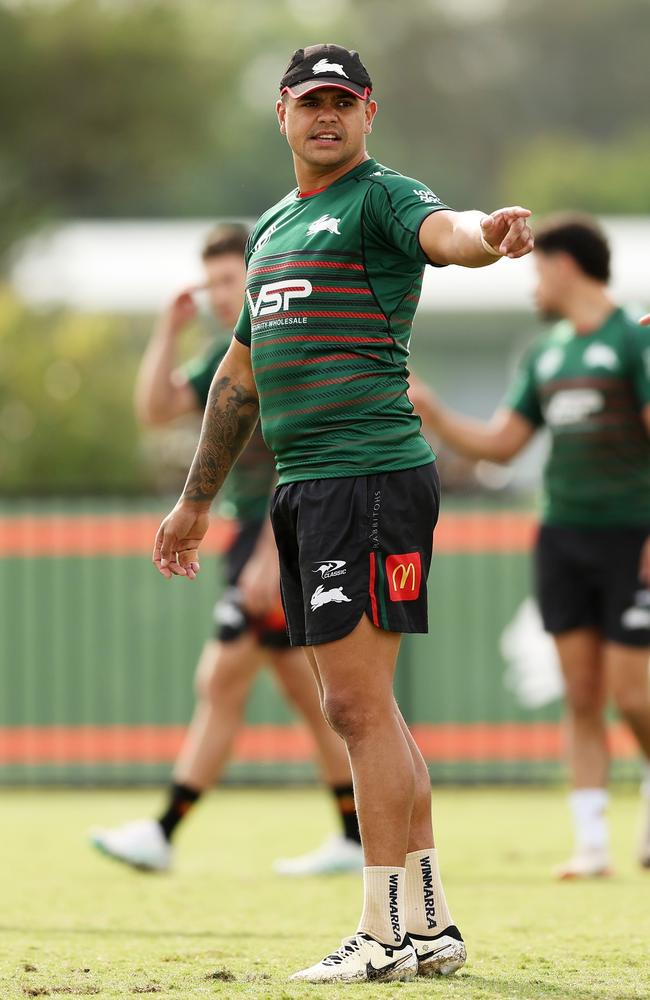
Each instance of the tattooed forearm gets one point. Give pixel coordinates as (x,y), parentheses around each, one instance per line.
(230,417)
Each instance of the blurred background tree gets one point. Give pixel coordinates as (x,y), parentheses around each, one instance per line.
(161,108)
(164,108)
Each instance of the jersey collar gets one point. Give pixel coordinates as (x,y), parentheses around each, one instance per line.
(357,171)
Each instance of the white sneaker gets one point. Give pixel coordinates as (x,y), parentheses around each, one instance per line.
(338,854)
(587,862)
(141,844)
(441,955)
(361,959)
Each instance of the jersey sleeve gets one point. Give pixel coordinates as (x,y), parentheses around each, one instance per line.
(200,371)
(243,326)
(522,396)
(639,350)
(398,207)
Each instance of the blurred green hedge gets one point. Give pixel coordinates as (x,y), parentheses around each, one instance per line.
(66,413)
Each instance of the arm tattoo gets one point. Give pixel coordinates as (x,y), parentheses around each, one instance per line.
(230,417)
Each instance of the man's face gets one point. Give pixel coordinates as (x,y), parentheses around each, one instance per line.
(327,127)
(555,277)
(225,283)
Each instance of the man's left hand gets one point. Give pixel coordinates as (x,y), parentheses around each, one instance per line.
(507,231)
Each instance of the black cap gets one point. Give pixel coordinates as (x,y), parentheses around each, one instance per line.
(326,66)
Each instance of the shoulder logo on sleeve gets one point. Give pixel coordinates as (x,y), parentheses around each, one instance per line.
(265,237)
(321,597)
(323,66)
(326,224)
(428,197)
(549,362)
(404,575)
(601,356)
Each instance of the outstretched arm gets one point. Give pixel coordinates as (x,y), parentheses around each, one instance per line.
(473,239)
(498,440)
(231,413)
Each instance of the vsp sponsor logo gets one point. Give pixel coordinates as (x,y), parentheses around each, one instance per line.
(277,296)
(429,899)
(393,909)
(404,575)
(573,406)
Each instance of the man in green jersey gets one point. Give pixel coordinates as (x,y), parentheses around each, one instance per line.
(250,626)
(588,381)
(320,350)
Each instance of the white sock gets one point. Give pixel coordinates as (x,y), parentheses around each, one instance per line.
(384,904)
(589,806)
(645,780)
(427,913)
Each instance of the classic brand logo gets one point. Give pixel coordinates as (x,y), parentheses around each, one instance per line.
(334,567)
(277,295)
(323,66)
(404,574)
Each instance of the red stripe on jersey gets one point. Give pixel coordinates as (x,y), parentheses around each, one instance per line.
(371,588)
(305,263)
(338,404)
(337,338)
(323,313)
(315,385)
(315,361)
(342,289)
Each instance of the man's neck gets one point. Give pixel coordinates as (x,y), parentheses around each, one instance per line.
(589,307)
(311,178)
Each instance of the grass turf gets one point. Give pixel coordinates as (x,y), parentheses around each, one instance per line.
(222,925)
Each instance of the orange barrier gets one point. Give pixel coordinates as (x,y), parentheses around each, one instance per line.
(508,741)
(133,534)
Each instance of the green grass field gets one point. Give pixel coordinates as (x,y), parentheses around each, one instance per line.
(223,925)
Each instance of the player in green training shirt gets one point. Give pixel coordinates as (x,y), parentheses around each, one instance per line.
(588,381)
(250,627)
(320,352)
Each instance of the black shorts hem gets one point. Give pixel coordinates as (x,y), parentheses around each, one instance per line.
(321,637)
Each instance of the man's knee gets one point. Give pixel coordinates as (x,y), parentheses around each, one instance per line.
(219,676)
(631,702)
(584,700)
(348,714)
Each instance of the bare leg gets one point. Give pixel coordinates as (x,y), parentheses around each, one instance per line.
(356,675)
(628,682)
(301,689)
(580,653)
(421,827)
(223,680)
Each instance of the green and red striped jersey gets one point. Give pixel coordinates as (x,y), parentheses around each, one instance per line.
(334,279)
(589,390)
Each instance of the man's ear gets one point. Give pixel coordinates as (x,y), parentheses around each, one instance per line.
(281,112)
(370,112)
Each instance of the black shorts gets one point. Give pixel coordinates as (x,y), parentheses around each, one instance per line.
(589,578)
(353,545)
(230,618)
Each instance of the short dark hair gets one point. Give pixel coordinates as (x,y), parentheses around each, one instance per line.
(228,237)
(581,237)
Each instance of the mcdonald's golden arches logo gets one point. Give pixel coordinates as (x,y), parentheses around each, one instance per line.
(404,576)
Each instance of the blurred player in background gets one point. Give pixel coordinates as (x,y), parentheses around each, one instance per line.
(588,381)
(335,271)
(250,622)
